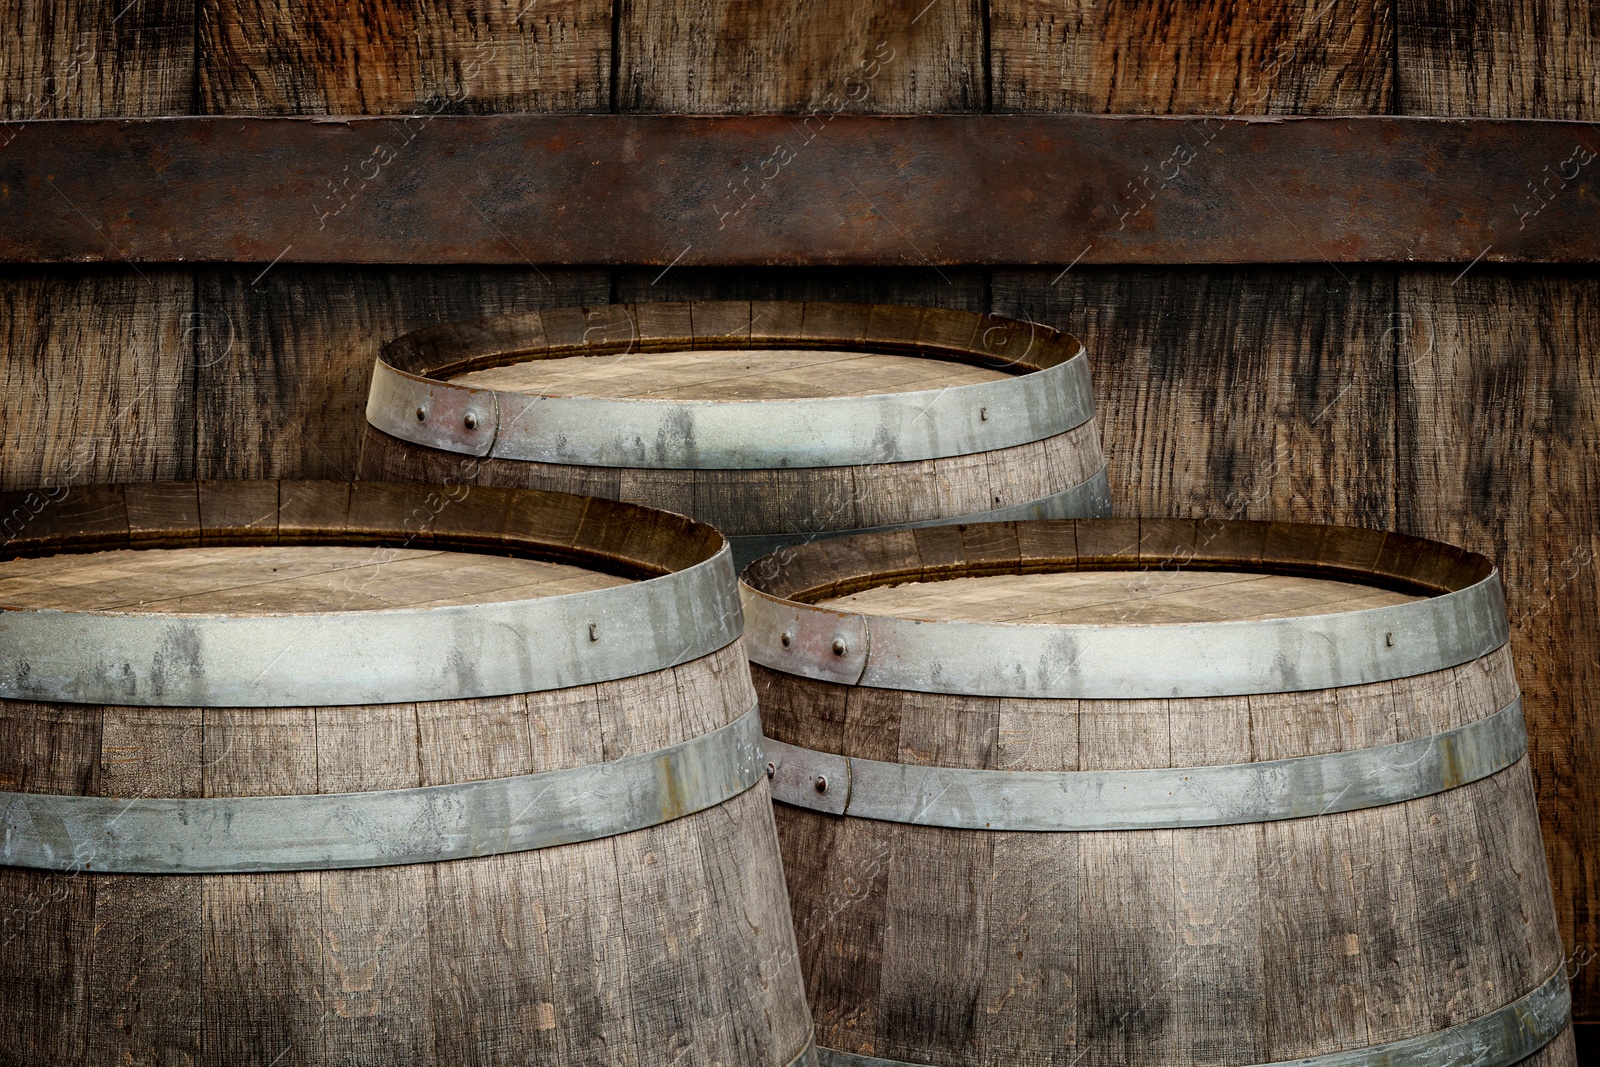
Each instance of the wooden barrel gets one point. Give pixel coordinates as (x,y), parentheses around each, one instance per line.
(312,773)
(1158,792)
(774,422)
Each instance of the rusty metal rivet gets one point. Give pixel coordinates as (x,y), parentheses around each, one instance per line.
(471,420)
(822,783)
(594,631)
(787,638)
(772,769)
(839,646)
(422,414)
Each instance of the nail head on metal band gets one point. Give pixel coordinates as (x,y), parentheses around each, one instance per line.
(1159,798)
(377,829)
(1500,1038)
(372,657)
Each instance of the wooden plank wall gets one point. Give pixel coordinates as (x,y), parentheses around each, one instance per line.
(1463,405)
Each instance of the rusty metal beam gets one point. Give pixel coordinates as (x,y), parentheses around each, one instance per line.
(753,190)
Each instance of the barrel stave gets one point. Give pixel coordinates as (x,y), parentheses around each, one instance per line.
(671,940)
(802,499)
(1240,944)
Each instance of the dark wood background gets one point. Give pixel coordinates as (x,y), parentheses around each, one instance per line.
(1447,403)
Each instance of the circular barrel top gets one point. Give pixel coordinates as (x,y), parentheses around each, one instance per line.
(1117,598)
(729,374)
(1112,608)
(312,593)
(730,385)
(283,579)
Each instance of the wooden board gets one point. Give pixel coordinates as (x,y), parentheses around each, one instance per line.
(1115,598)
(61,59)
(1501,455)
(96,375)
(283,394)
(1259,57)
(277,579)
(1236,393)
(304,57)
(1534,59)
(712,374)
(818,59)
(96,381)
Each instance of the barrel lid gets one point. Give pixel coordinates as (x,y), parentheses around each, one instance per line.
(1108,609)
(731,385)
(313,593)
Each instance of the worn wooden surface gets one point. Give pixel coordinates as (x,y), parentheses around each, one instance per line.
(1236,394)
(1110,598)
(272,579)
(1259,57)
(302,57)
(69,60)
(1535,59)
(1211,386)
(470,961)
(712,374)
(1513,357)
(515,354)
(287,357)
(1334,932)
(98,376)
(820,59)
(781,501)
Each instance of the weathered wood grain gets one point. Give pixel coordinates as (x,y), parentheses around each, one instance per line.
(96,377)
(1234,394)
(602,952)
(1261,57)
(284,393)
(1425,914)
(1218,927)
(1499,438)
(1535,59)
(818,59)
(274,579)
(94,365)
(801,500)
(1031,973)
(1253,943)
(1115,597)
(61,59)
(303,57)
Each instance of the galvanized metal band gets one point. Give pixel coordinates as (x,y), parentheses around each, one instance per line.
(371,657)
(1500,1038)
(1128,662)
(1089,499)
(808,1056)
(1149,799)
(432,824)
(733,435)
